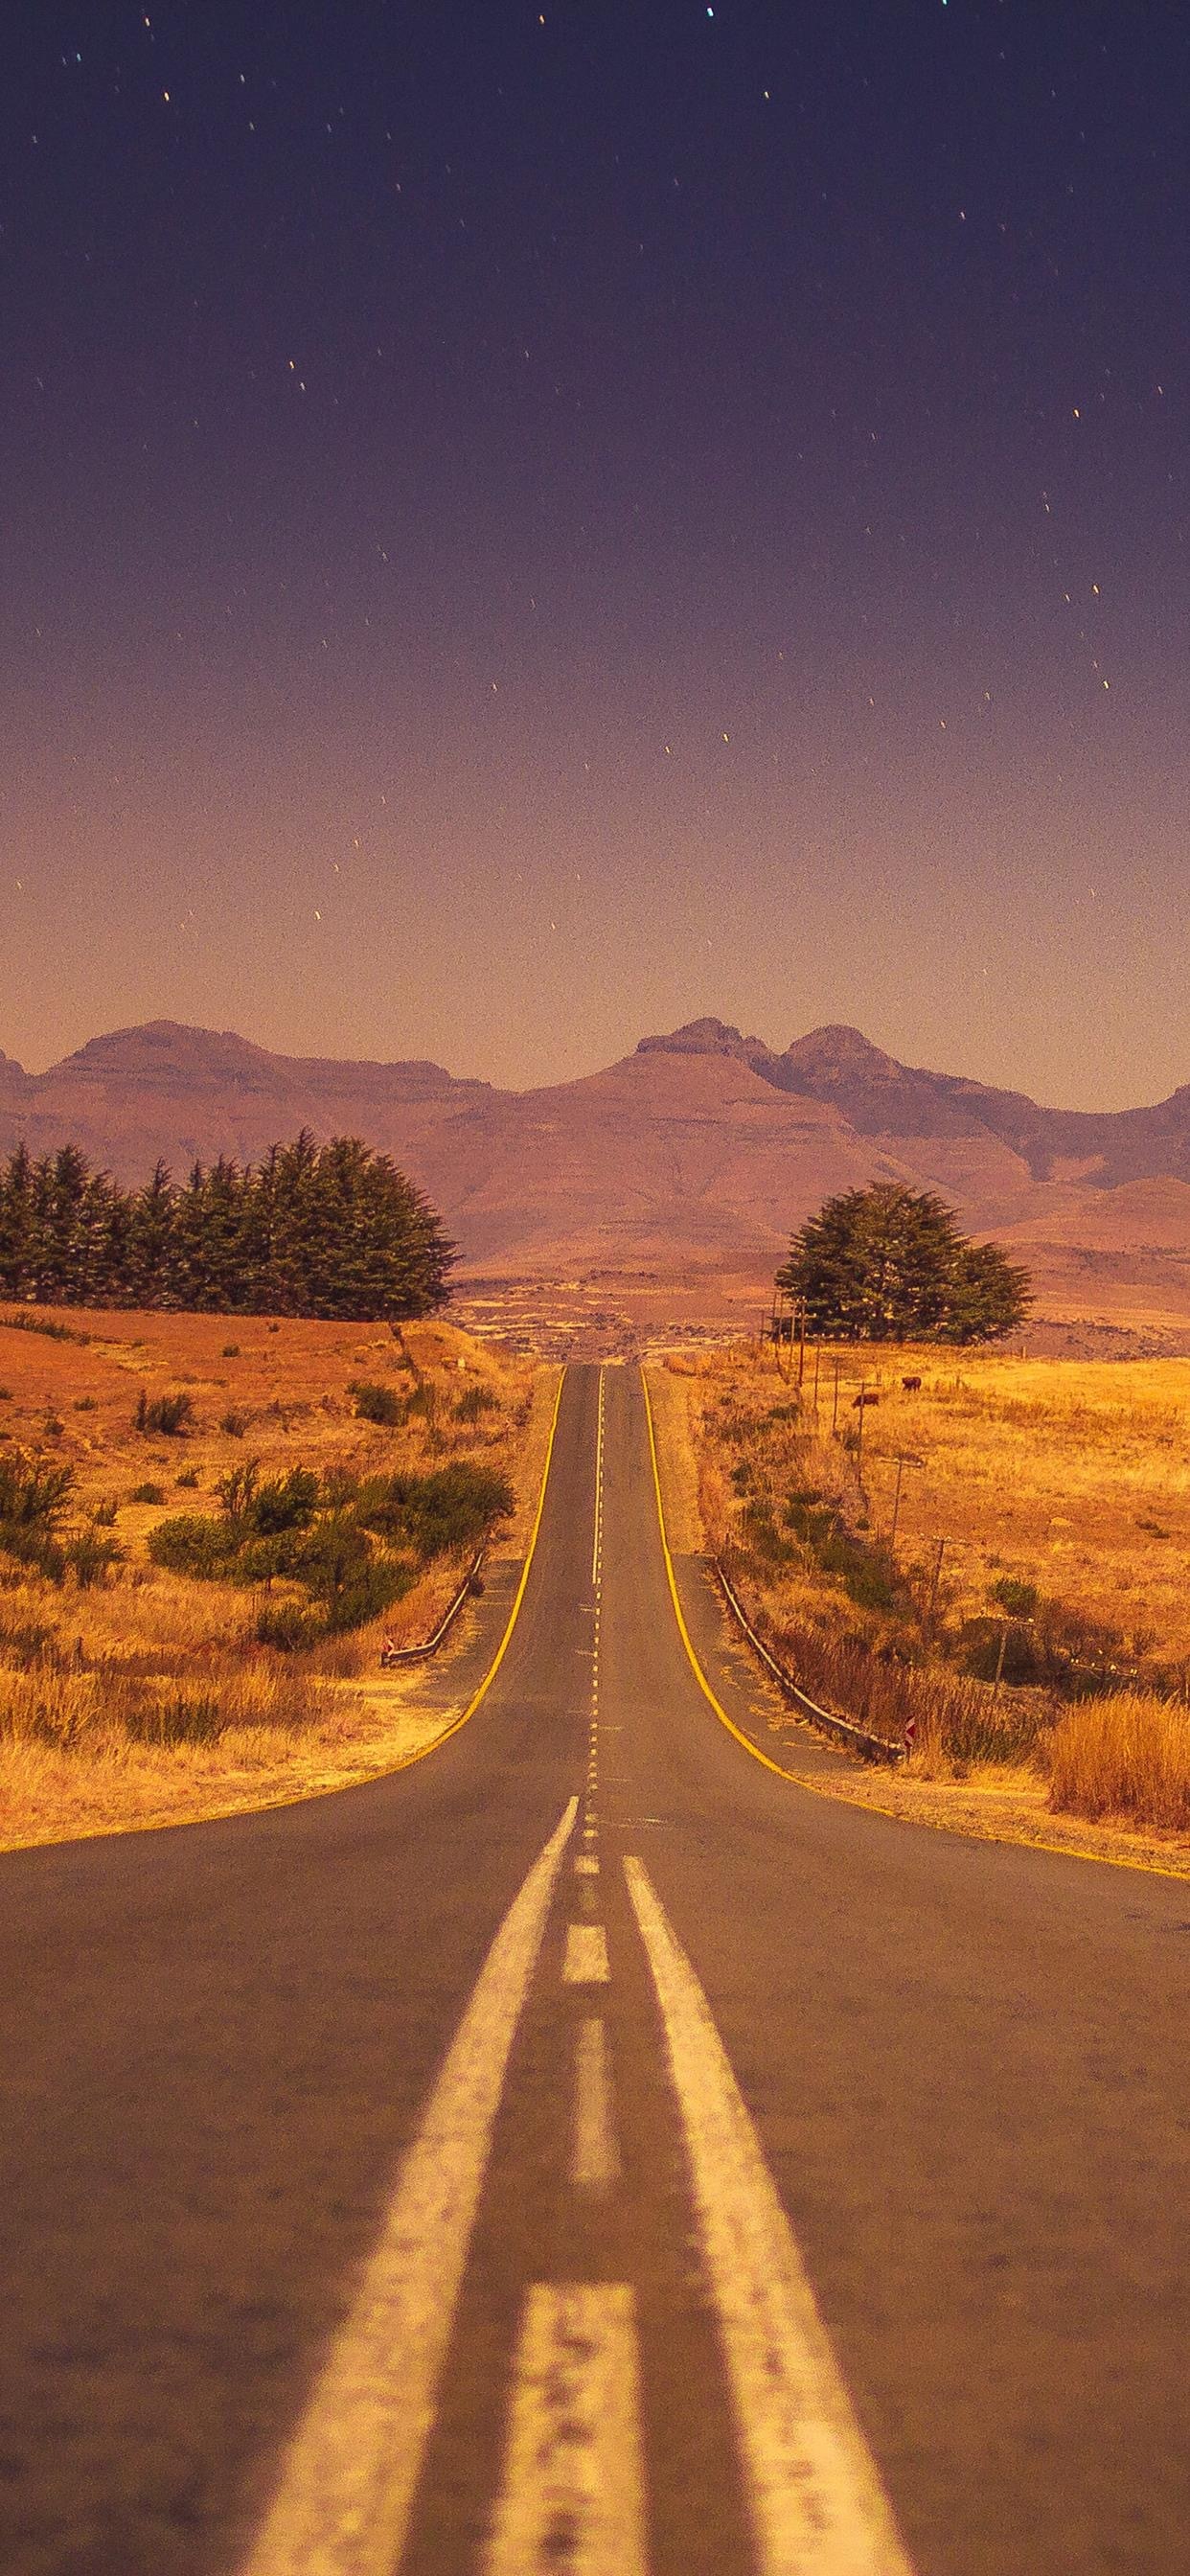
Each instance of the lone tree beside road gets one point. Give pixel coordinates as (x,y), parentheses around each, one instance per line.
(891,1265)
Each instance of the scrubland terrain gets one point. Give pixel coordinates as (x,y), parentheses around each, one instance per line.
(207,1527)
(1030,1611)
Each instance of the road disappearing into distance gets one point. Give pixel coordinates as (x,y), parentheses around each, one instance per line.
(586,2151)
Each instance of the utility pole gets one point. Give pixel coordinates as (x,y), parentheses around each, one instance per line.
(817,1365)
(933,1602)
(835,1404)
(859,1437)
(892,1535)
(1000,1662)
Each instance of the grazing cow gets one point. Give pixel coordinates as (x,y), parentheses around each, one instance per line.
(864,1398)
(912,1385)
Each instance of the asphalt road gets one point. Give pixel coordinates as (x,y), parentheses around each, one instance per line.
(400,2179)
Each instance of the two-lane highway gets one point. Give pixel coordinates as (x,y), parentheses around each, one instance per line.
(588,2151)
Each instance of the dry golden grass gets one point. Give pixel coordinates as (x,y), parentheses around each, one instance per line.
(146,1696)
(1127,1755)
(1071,1478)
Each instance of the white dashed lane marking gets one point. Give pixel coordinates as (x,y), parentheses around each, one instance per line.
(585,1960)
(597,1541)
(595,2158)
(572,2497)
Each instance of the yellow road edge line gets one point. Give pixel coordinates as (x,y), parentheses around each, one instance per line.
(455,1723)
(839,1797)
(695,1666)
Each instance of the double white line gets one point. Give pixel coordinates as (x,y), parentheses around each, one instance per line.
(574,2453)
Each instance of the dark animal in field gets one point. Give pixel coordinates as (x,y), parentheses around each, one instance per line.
(912,1385)
(857,1400)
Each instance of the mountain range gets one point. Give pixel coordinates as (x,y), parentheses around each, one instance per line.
(691,1159)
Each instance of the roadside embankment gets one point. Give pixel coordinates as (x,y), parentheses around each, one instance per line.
(206,1531)
(866,1627)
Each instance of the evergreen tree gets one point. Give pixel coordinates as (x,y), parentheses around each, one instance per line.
(890,1265)
(17,1225)
(332,1230)
(147,1282)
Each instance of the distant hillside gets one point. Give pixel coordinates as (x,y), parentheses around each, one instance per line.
(694,1156)
(879,1097)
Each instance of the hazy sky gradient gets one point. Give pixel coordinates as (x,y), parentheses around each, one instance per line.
(513,537)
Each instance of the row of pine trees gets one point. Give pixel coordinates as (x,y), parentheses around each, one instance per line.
(325,1230)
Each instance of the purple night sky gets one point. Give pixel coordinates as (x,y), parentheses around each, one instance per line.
(521,526)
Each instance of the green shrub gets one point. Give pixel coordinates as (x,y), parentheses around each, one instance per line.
(236,1489)
(147,1494)
(810,1516)
(234,1424)
(332,1555)
(33,1496)
(104,1514)
(452,1506)
(284,1502)
(1017,1598)
(759,1532)
(33,1493)
(34,1548)
(85,1404)
(169,1414)
(375,1403)
(474,1402)
(231,1351)
(289,1627)
(192,1544)
(367,1596)
(92,1557)
(189,1476)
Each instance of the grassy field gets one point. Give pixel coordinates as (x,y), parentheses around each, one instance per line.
(1027,1595)
(205,1530)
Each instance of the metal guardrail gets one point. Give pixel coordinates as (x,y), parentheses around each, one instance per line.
(857,1739)
(395,1655)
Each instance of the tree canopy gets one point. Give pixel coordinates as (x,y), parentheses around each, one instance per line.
(890,1265)
(330,1230)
